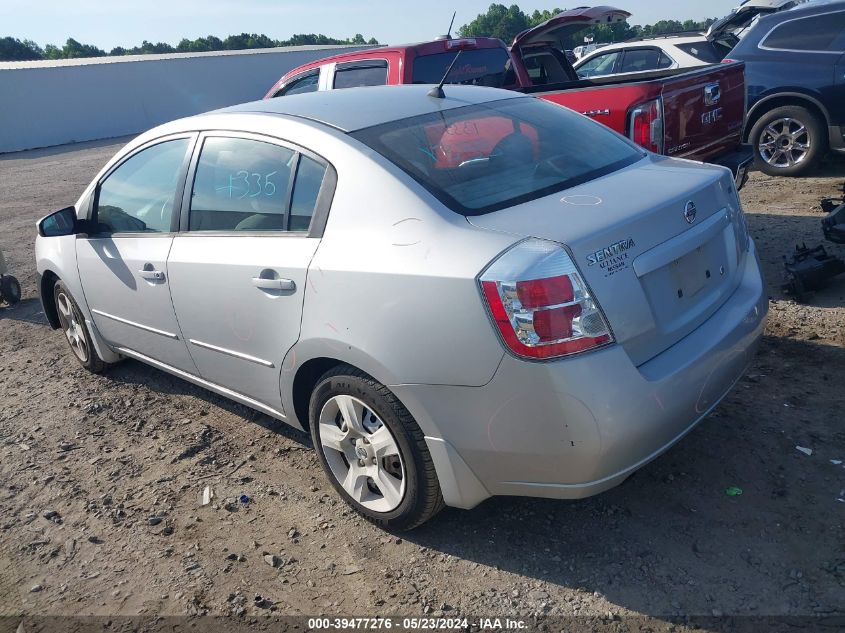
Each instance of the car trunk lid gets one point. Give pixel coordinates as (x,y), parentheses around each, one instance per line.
(559,28)
(657,268)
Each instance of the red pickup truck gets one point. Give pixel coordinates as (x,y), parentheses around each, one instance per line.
(696,114)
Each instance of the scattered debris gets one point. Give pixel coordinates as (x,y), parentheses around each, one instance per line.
(836,462)
(154,520)
(733,491)
(833,225)
(207,496)
(351,569)
(243,499)
(272,560)
(809,269)
(806,451)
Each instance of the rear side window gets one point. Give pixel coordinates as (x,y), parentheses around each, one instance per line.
(707,52)
(824,32)
(485,157)
(643,59)
(139,196)
(308,83)
(479,67)
(367,74)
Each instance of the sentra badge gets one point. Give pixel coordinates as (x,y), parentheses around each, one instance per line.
(614,250)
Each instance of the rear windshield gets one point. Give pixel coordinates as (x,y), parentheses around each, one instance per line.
(481,158)
(708,52)
(479,67)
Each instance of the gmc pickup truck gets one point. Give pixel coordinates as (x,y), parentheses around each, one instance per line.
(695,114)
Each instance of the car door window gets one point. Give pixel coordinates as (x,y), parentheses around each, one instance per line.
(308,83)
(640,60)
(365,74)
(816,33)
(306,190)
(598,65)
(140,195)
(241,185)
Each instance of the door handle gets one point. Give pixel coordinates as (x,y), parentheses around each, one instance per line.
(152,275)
(273,284)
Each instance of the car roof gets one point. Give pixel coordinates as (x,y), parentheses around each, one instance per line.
(354,109)
(659,42)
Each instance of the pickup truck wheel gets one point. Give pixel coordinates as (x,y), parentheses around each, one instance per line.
(372,450)
(788,141)
(73,327)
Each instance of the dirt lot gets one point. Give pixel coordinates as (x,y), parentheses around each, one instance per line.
(101,476)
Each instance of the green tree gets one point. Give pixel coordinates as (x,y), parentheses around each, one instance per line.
(13,50)
(499,21)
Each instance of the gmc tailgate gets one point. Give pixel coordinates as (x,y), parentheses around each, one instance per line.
(692,113)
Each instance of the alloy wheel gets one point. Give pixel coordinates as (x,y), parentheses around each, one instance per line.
(784,142)
(71,326)
(362,453)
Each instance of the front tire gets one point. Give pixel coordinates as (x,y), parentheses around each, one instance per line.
(10,289)
(788,141)
(372,450)
(73,327)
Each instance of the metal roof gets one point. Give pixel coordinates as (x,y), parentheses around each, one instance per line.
(353,109)
(123,59)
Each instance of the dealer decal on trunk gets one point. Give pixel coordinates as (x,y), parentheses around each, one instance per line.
(611,259)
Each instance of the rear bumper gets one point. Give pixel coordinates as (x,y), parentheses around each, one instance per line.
(739,162)
(576,427)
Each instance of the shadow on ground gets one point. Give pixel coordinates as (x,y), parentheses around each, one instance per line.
(670,541)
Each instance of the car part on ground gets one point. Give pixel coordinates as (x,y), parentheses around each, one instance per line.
(448,340)
(809,269)
(833,225)
(10,288)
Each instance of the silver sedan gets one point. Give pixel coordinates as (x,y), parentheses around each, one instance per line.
(482,294)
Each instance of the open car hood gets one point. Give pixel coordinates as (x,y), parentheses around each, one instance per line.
(567,23)
(742,16)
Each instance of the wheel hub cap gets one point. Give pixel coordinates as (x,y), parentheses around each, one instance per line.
(362,454)
(784,143)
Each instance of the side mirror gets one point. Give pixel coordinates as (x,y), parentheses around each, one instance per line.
(60,223)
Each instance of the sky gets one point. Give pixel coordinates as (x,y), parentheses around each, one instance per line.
(110,23)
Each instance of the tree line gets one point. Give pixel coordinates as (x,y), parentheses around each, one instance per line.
(13,49)
(506,22)
(498,21)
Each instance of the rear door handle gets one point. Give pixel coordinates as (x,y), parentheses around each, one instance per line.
(152,275)
(273,284)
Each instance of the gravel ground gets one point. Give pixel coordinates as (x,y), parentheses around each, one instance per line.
(101,479)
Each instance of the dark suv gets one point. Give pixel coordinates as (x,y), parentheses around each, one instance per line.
(795,75)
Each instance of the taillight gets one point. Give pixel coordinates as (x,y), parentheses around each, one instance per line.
(728,61)
(464,44)
(645,125)
(540,303)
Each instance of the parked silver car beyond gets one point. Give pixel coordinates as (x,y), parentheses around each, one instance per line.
(479,295)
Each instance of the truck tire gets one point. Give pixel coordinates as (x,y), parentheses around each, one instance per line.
(788,141)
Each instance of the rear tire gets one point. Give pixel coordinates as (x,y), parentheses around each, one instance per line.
(10,290)
(372,450)
(73,327)
(788,141)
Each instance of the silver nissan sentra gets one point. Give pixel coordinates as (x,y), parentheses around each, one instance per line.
(482,294)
